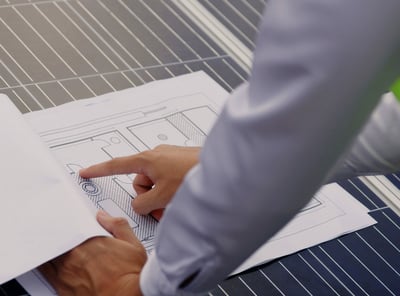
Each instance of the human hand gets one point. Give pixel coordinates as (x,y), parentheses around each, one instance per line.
(100,266)
(159,173)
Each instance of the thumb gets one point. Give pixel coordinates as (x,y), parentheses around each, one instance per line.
(117,226)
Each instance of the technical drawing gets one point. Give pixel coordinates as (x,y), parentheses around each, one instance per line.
(112,194)
(107,194)
(176,129)
(131,134)
(121,136)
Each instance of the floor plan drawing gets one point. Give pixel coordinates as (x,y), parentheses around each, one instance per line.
(136,130)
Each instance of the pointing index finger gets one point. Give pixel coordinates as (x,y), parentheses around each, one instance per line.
(116,166)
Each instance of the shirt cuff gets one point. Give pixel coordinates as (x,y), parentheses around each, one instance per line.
(153,281)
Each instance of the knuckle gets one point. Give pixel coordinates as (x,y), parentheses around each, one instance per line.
(161,147)
(145,156)
(75,255)
(136,206)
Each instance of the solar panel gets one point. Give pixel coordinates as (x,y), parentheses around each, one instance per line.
(58,51)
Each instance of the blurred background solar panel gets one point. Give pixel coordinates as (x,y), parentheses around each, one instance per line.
(59,51)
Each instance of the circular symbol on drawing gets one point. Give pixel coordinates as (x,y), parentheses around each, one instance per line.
(162,137)
(90,188)
(115,140)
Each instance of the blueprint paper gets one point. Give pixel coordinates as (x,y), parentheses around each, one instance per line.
(41,211)
(330,213)
(177,111)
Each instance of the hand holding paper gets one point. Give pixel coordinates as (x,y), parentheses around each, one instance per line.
(101,265)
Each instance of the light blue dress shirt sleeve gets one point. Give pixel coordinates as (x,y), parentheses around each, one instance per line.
(319,69)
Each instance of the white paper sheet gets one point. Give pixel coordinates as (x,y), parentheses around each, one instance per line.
(41,210)
(177,111)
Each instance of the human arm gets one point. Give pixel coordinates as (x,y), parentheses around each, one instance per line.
(102,266)
(319,69)
(376,150)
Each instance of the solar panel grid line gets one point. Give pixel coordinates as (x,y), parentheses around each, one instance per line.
(21,100)
(98,35)
(132,34)
(127,78)
(88,87)
(387,239)
(128,31)
(223,291)
(118,81)
(9,81)
(27,48)
(66,90)
(271,282)
(172,31)
(367,197)
(52,51)
(257,4)
(395,180)
(294,277)
(234,70)
(344,274)
(3,81)
(15,62)
(286,283)
(366,267)
(387,232)
(73,45)
(108,33)
(247,286)
(56,92)
(151,31)
(233,78)
(387,185)
(232,27)
(108,83)
(155,18)
(51,47)
(217,31)
(26,89)
(397,177)
(318,274)
(10,73)
(372,262)
(213,50)
(391,220)
(41,96)
(229,87)
(377,254)
(333,276)
(240,14)
(59,30)
(313,279)
(252,8)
